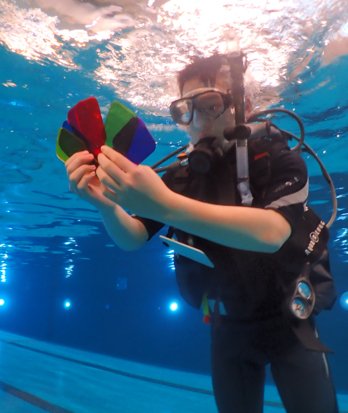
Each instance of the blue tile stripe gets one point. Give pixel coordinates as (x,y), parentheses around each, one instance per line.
(31,399)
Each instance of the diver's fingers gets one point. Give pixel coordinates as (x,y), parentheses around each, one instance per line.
(111,170)
(76,177)
(112,196)
(111,182)
(121,161)
(83,185)
(78,159)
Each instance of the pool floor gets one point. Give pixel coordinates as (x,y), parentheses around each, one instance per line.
(42,377)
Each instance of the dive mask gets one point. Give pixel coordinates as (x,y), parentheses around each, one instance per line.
(211,102)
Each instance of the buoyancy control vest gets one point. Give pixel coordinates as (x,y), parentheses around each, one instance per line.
(251,284)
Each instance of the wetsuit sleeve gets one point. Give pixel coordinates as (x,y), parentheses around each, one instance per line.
(151,226)
(287,190)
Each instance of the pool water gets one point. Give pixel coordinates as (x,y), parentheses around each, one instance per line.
(62,281)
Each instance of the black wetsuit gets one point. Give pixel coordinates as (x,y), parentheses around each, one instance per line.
(253,329)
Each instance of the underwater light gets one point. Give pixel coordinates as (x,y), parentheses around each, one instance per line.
(173,306)
(67,304)
(344,301)
(2,302)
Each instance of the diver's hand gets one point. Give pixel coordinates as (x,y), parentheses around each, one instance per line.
(83,181)
(136,188)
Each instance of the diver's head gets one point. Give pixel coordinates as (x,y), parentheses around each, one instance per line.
(207,103)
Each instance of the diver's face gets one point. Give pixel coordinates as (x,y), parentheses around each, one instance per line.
(204,122)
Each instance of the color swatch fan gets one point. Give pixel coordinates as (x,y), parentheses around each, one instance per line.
(85,130)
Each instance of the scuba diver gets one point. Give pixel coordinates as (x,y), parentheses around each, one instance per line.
(238,199)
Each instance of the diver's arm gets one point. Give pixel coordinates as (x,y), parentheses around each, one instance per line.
(258,229)
(127,233)
(139,189)
(253,229)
